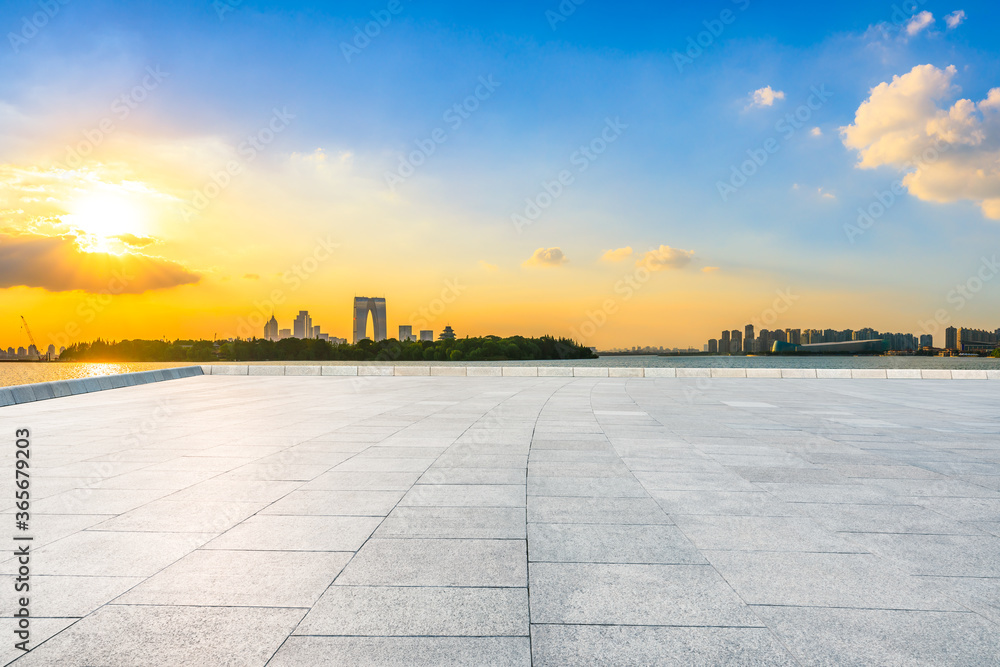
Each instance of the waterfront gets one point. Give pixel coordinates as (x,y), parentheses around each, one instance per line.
(12,374)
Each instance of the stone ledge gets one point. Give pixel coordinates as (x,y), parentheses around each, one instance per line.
(44,391)
(625,372)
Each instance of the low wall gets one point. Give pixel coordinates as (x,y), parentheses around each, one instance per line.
(596,371)
(29,393)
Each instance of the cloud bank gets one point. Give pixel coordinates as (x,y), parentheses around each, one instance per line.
(57,264)
(947,153)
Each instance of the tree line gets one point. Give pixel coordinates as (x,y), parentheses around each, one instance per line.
(485,348)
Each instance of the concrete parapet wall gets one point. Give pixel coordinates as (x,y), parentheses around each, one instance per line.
(29,393)
(605,371)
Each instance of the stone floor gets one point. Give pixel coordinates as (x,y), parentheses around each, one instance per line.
(495,521)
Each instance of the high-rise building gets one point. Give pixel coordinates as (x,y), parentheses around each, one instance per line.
(724,346)
(284,333)
(713,346)
(748,339)
(426,335)
(794,336)
(302,327)
(364,305)
(271,329)
(951,338)
(977,340)
(51,351)
(315,331)
(736,341)
(405,332)
(926,340)
(866,334)
(447,334)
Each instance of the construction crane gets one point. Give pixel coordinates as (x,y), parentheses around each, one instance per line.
(31,338)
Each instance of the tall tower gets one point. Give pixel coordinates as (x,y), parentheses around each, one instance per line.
(303,326)
(362,306)
(271,329)
(748,339)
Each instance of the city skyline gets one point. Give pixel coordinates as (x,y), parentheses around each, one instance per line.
(693,162)
(749,341)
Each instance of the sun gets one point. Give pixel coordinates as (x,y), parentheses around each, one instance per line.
(101,216)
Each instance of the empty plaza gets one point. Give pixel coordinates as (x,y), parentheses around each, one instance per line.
(284,521)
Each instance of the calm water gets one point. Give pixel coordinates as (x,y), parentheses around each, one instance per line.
(26,373)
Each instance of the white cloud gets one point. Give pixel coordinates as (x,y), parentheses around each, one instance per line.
(616,255)
(918,23)
(765,97)
(709,269)
(947,153)
(954,19)
(824,194)
(665,258)
(546,257)
(816,132)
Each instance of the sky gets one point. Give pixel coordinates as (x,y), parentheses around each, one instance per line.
(624,174)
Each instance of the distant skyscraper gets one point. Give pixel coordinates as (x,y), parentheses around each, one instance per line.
(362,306)
(748,339)
(271,329)
(724,347)
(713,346)
(315,331)
(405,333)
(951,338)
(447,334)
(794,336)
(284,333)
(426,334)
(303,327)
(51,351)
(736,341)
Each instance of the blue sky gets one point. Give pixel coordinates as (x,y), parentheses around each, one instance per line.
(656,185)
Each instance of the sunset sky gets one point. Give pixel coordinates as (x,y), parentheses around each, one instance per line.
(626,173)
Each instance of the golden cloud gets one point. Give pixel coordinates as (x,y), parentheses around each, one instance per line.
(617,255)
(547,257)
(57,264)
(666,258)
